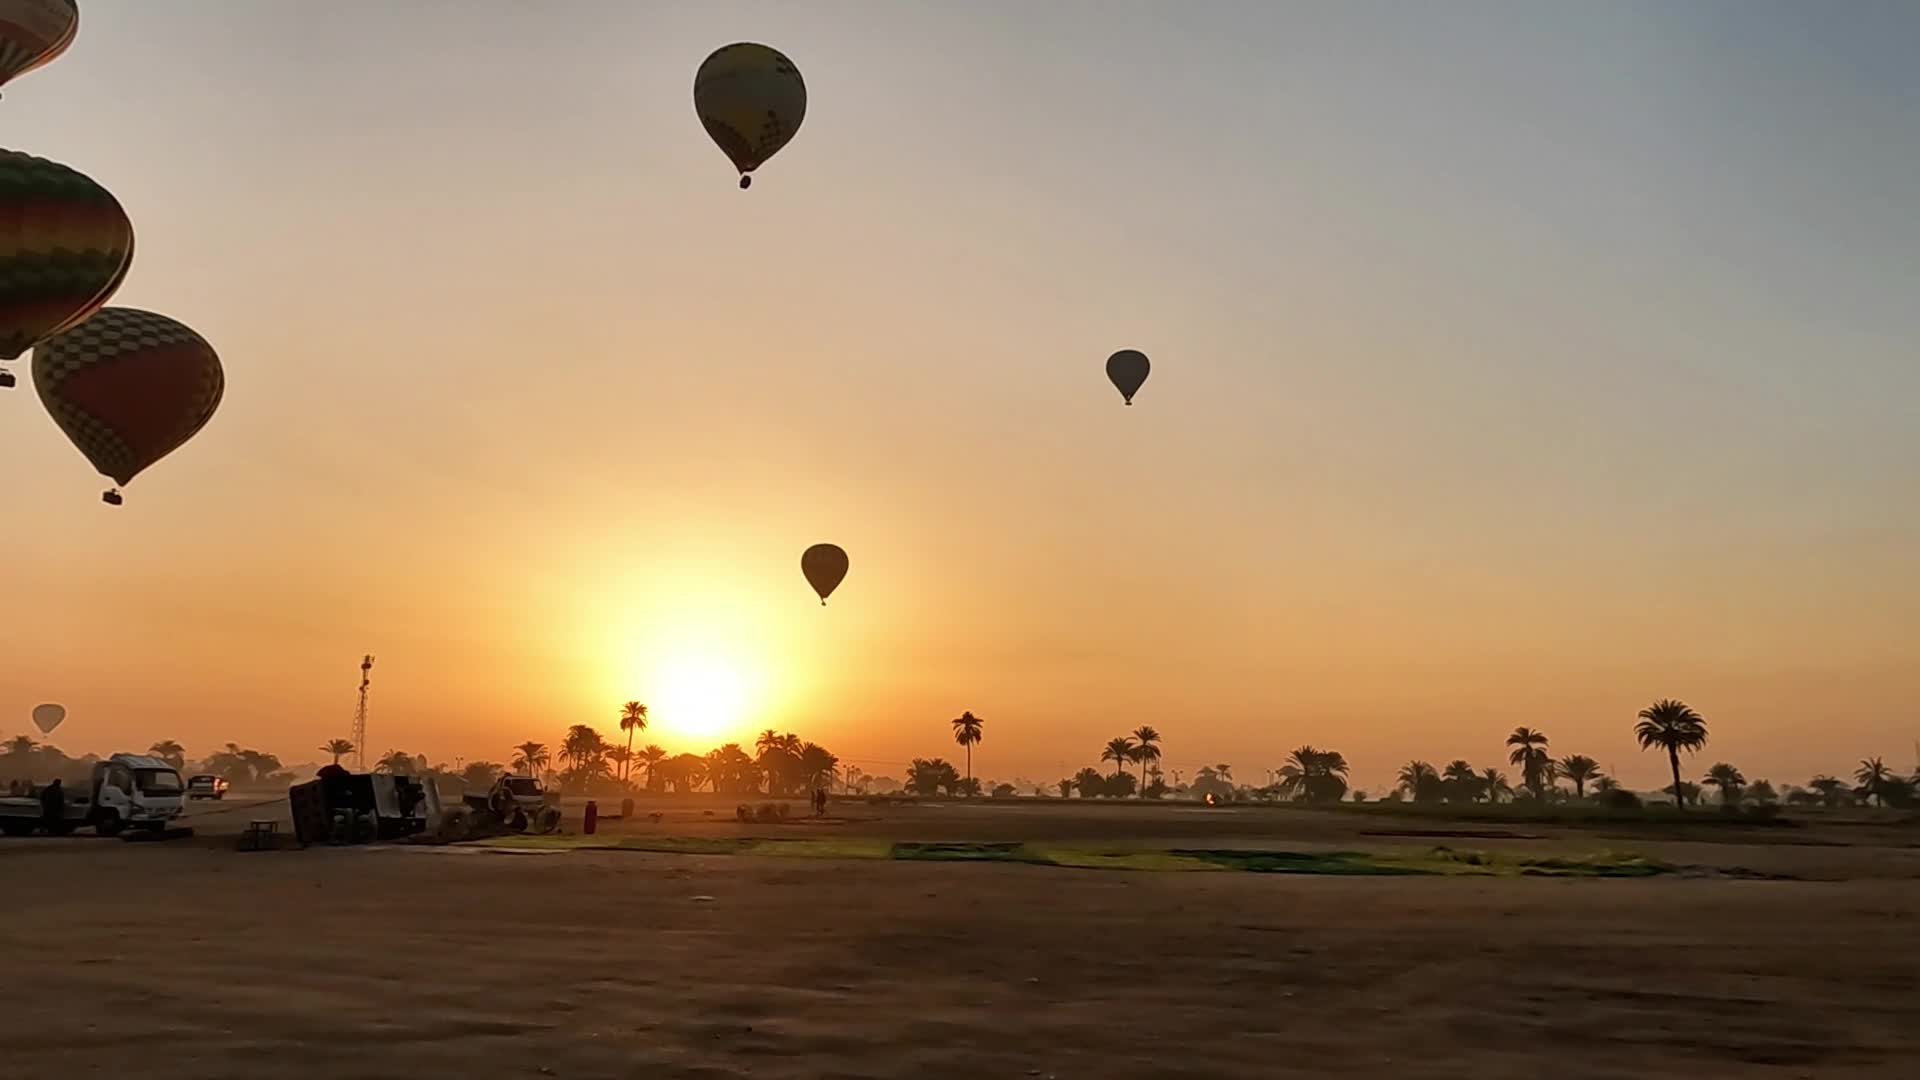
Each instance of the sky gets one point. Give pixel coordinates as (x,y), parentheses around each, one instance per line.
(1513,364)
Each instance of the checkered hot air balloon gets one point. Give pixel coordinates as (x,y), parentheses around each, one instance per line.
(128,387)
(65,246)
(33,33)
(751,99)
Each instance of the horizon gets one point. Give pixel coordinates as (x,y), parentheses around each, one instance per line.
(1505,372)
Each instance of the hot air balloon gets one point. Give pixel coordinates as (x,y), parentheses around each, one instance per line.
(65,246)
(48,717)
(1128,369)
(751,100)
(33,33)
(128,387)
(825,566)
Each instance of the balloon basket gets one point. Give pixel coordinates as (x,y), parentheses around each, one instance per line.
(111,498)
(746,182)
(6,380)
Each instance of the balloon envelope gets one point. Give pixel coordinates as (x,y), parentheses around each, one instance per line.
(128,387)
(825,566)
(65,246)
(1128,370)
(751,100)
(34,33)
(48,717)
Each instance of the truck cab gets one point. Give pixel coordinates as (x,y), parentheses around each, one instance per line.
(135,790)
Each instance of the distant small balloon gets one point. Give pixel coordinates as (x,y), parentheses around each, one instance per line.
(1128,370)
(48,717)
(825,566)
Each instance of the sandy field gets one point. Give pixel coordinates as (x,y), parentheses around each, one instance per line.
(189,959)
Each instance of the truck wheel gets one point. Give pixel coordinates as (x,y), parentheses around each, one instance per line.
(108,823)
(16,828)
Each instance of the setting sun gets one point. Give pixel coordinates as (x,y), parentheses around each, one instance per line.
(700,695)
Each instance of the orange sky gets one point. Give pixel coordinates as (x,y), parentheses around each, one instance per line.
(1506,373)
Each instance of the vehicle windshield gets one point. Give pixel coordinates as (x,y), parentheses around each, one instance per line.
(157,781)
(523,786)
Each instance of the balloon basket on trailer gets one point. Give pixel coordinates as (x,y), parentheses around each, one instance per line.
(111,497)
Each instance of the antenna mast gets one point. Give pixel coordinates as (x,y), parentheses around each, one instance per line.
(360,716)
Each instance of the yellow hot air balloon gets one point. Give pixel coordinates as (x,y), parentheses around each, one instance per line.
(33,33)
(751,100)
(65,246)
(128,387)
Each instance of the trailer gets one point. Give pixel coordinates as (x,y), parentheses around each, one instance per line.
(356,808)
(126,791)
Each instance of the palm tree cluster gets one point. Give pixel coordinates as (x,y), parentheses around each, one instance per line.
(1140,747)
(782,764)
(1311,775)
(1461,782)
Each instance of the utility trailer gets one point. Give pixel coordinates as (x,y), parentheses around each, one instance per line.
(356,808)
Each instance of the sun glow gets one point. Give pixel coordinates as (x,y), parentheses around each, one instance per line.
(700,695)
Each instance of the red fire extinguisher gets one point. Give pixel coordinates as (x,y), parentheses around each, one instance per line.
(593,817)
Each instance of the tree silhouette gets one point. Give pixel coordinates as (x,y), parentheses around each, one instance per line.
(1091,783)
(1762,793)
(816,766)
(1314,775)
(653,755)
(1530,754)
(25,744)
(1728,779)
(531,757)
(397,762)
(1119,751)
(1873,776)
(1495,784)
(1146,751)
(622,759)
(338,748)
(1459,783)
(1833,793)
(633,717)
(1673,726)
(1420,782)
(926,777)
(966,732)
(1065,786)
(170,752)
(1580,769)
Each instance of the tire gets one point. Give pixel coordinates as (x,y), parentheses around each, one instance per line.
(14,827)
(108,823)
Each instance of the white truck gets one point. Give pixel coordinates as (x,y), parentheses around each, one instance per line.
(126,791)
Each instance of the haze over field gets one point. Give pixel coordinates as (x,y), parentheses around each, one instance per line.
(1506,371)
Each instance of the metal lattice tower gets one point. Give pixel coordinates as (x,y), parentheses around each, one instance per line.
(360,716)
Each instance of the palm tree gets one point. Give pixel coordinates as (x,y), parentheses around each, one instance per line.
(1462,783)
(1873,775)
(1672,726)
(633,717)
(1579,768)
(1119,751)
(170,752)
(653,755)
(339,748)
(532,757)
(816,765)
(21,744)
(1728,780)
(1146,751)
(622,757)
(1065,786)
(397,762)
(1831,790)
(966,732)
(1530,753)
(1296,774)
(1419,781)
(1495,784)
(1224,771)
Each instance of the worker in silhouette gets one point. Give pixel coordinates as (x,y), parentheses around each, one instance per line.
(53,807)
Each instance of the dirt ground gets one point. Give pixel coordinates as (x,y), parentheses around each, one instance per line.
(190,959)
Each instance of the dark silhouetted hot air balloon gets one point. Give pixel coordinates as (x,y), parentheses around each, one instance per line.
(1128,369)
(48,717)
(33,33)
(825,566)
(65,246)
(128,387)
(751,100)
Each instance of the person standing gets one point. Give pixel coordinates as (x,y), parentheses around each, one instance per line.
(53,807)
